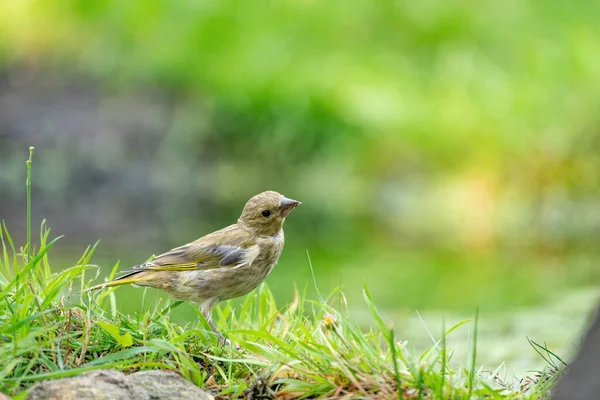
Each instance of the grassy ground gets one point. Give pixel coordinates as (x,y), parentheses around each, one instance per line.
(302,349)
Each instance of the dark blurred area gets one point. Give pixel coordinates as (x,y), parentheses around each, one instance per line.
(446,153)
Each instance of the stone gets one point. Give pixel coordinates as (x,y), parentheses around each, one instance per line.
(580,381)
(115,385)
(167,385)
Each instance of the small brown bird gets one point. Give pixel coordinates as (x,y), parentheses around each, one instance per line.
(222,265)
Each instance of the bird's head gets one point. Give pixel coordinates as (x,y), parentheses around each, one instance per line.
(264,213)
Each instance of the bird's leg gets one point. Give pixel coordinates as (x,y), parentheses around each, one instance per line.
(206,309)
(222,340)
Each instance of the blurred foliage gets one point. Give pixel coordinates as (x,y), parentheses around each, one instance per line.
(442,147)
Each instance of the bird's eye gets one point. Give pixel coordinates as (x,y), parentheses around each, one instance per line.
(266,213)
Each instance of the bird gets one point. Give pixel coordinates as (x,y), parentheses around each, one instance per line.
(221,265)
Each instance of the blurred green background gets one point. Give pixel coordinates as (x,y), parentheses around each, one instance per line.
(447,154)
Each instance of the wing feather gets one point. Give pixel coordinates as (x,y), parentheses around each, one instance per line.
(230,247)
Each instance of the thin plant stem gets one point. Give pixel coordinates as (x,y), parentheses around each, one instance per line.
(473,354)
(28,184)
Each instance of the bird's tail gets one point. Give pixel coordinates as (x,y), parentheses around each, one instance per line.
(133,277)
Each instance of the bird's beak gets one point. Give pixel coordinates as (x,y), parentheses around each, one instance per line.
(287,205)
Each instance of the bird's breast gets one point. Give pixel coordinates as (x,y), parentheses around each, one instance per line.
(270,250)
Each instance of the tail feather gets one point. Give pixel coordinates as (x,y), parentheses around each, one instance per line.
(123,280)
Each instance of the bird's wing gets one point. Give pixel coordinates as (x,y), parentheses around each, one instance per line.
(228,248)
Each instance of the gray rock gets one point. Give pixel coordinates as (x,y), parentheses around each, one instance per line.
(115,385)
(167,385)
(581,382)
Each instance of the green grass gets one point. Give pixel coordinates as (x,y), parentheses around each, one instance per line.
(303,349)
